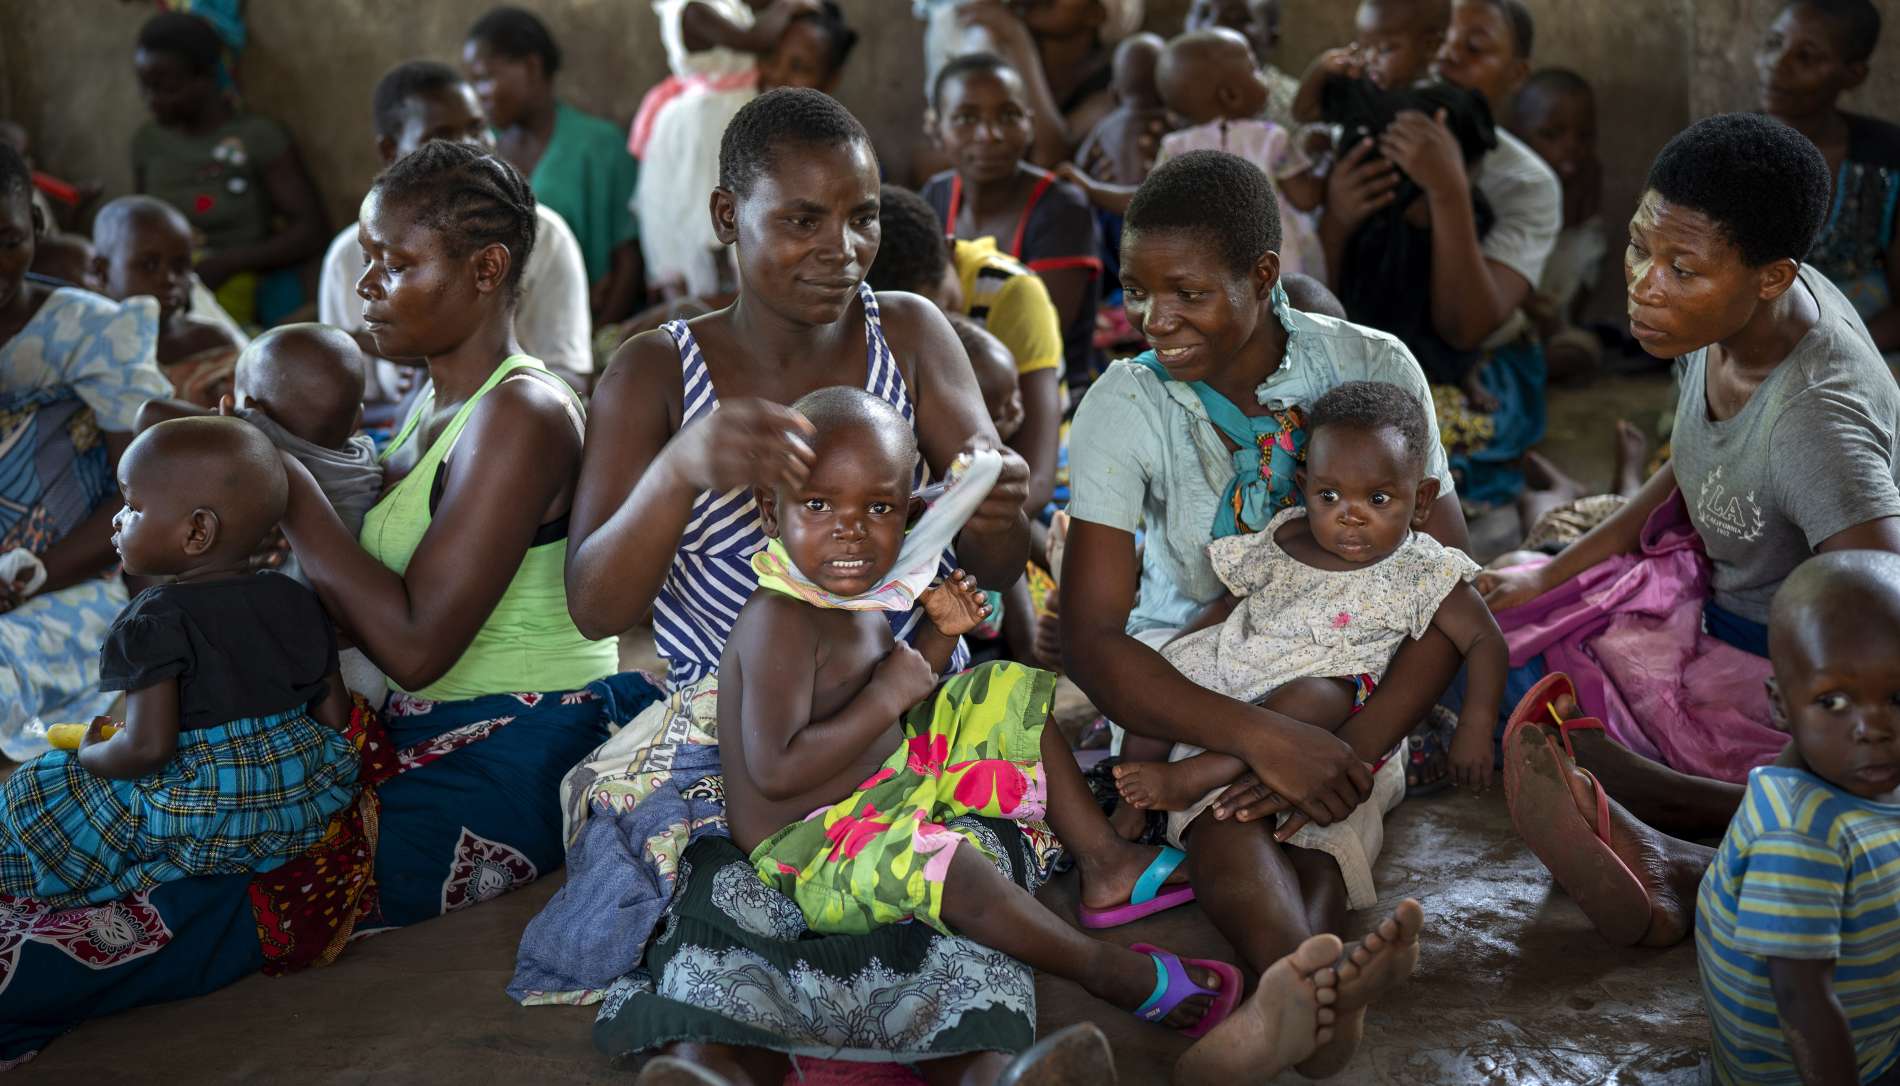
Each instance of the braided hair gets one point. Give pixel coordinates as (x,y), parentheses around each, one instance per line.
(470,197)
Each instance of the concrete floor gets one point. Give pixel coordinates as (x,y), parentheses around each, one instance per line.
(1513,987)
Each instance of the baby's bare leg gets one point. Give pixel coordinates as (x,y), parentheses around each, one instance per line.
(1176,786)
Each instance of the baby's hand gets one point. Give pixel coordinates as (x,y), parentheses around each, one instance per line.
(100,730)
(1471,760)
(955,604)
(905,676)
(1345,60)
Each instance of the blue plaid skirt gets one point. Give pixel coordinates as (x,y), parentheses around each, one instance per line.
(239,797)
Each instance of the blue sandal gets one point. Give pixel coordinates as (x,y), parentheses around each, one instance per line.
(1151,894)
(1173,986)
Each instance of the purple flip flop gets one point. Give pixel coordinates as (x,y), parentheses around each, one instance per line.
(1172,985)
(1151,895)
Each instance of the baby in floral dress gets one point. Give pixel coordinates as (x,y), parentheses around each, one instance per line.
(1323,597)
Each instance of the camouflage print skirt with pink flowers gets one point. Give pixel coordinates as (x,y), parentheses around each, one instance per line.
(879,856)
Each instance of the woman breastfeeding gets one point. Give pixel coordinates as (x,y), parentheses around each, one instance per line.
(455,588)
(688,419)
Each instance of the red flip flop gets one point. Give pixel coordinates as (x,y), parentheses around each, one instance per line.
(1575,851)
(1537,704)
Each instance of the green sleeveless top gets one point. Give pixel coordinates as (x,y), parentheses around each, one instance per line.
(528,643)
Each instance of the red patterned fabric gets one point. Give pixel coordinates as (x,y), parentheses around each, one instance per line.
(307,909)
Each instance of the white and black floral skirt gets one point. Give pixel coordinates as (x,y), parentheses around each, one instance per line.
(734,964)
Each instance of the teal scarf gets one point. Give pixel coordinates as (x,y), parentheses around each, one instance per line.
(1271,447)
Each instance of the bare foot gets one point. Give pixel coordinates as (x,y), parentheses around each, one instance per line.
(1632,450)
(1126,979)
(1380,962)
(1542,474)
(1109,879)
(1653,792)
(1288,1016)
(1160,786)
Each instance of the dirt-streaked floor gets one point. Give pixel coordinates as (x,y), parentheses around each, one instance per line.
(1513,987)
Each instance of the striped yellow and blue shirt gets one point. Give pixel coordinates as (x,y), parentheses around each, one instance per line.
(1806,871)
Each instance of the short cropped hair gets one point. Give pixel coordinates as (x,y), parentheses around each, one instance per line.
(1523,26)
(1765,185)
(518,34)
(841,38)
(406,81)
(190,38)
(469,196)
(913,252)
(1223,198)
(1555,81)
(967,64)
(1374,406)
(798,116)
(1856,25)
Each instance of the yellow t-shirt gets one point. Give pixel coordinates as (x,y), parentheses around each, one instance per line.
(1011,302)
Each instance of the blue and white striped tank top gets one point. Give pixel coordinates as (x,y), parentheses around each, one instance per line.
(711,577)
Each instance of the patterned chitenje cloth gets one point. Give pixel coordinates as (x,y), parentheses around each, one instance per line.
(459,804)
(1484,447)
(880,855)
(734,963)
(240,796)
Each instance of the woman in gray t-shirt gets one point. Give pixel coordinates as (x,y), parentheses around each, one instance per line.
(1786,443)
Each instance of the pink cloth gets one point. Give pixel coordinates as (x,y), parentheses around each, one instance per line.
(670,88)
(1629,633)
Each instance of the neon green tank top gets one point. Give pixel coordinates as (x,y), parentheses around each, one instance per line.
(529,642)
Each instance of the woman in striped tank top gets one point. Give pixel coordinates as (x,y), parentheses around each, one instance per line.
(688,420)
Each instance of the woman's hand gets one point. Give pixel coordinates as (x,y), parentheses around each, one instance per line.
(12,595)
(747,442)
(1002,509)
(1426,150)
(955,605)
(1248,800)
(1504,589)
(1311,769)
(1360,186)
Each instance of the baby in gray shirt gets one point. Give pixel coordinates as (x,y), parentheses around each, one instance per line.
(302,384)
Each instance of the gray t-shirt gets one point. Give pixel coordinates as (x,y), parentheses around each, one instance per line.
(1816,450)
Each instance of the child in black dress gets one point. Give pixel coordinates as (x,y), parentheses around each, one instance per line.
(231,757)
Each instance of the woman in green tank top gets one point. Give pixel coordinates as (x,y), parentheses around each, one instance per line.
(456,586)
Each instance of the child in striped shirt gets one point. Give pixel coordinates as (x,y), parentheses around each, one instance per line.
(1798,919)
